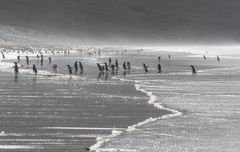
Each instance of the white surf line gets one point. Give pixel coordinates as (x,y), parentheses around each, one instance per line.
(152,101)
(162,134)
(19,147)
(81,128)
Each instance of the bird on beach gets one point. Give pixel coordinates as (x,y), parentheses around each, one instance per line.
(124,66)
(15,68)
(76,66)
(3,56)
(69,69)
(128,65)
(99,67)
(159,58)
(145,68)
(116,64)
(159,68)
(110,61)
(113,69)
(80,66)
(204,57)
(106,66)
(169,56)
(49,60)
(87,149)
(193,69)
(54,66)
(18,58)
(218,59)
(34,69)
(41,60)
(27,60)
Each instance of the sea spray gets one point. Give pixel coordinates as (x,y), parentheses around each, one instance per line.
(152,101)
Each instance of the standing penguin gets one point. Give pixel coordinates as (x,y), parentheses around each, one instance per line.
(49,60)
(145,68)
(116,64)
(76,66)
(15,68)
(27,60)
(169,56)
(18,58)
(80,66)
(69,69)
(128,65)
(218,59)
(159,68)
(106,66)
(124,66)
(193,69)
(34,69)
(54,66)
(204,57)
(110,61)
(3,56)
(99,67)
(41,60)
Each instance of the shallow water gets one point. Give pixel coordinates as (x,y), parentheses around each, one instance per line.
(208,101)
(62,112)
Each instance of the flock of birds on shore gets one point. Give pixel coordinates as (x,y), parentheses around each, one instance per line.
(102,68)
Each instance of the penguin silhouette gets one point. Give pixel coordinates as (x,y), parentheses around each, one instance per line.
(124,66)
(80,66)
(76,66)
(193,69)
(34,69)
(145,68)
(159,68)
(69,69)
(15,68)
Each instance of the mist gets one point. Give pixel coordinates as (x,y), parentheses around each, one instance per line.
(120,22)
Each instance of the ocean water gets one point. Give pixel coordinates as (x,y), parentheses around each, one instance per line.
(125,111)
(205,107)
(56,112)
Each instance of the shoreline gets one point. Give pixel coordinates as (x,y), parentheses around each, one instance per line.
(40,77)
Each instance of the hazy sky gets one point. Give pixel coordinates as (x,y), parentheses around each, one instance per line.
(126,22)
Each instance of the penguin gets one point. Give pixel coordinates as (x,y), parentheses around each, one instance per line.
(113,67)
(49,60)
(204,57)
(106,66)
(110,61)
(128,65)
(15,68)
(76,66)
(124,66)
(41,60)
(54,66)
(218,59)
(3,56)
(80,66)
(99,67)
(34,69)
(145,68)
(18,58)
(69,69)
(27,60)
(159,68)
(116,64)
(193,69)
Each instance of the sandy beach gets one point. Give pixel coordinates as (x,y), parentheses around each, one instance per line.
(66,113)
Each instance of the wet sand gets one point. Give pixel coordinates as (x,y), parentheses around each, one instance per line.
(39,113)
